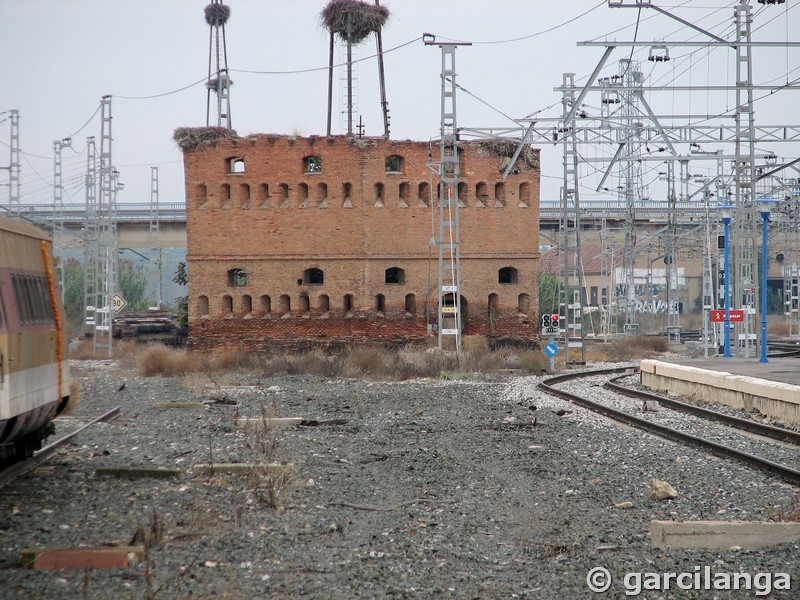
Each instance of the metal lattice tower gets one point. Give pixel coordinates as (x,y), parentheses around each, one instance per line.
(58,205)
(449,304)
(348,86)
(90,229)
(155,237)
(744,287)
(14,165)
(219,81)
(105,249)
(571,291)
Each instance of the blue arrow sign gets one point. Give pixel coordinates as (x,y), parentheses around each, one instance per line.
(551,349)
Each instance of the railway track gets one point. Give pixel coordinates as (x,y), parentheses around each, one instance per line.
(10,473)
(692,430)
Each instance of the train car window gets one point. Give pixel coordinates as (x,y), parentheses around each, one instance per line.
(19,296)
(49,313)
(42,295)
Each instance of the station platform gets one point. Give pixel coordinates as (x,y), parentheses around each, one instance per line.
(772,388)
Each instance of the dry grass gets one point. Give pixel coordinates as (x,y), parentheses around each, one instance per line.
(788,513)
(168,362)
(627,348)
(778,328)
(201,369)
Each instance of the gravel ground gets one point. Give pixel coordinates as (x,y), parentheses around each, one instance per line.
(432,489)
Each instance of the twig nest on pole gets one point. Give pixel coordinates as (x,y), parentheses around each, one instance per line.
(217,83)
(353,20)
(217,14)
(507,146)
(195,138)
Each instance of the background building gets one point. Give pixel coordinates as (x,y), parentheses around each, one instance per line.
(298,242)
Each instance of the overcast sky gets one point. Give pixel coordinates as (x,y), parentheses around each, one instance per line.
(62,56)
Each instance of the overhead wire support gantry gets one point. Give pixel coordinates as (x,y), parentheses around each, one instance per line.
(449,303)
(616,129)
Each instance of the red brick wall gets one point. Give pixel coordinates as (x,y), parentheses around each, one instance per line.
(275,239)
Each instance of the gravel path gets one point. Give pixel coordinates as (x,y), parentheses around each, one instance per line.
(432,489)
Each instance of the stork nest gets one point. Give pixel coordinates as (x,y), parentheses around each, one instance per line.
(353,20)
(214,82)
(190,139)
(217,14)
(507,146)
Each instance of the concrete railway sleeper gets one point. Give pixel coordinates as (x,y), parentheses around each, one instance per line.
(679,435)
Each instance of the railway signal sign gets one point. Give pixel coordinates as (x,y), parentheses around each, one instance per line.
(118,302)
(551,349)
(718,316)
(550,323)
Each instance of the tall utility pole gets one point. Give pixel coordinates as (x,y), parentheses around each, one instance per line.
(219,82)
(90,229)
(745,223)
(449,305)
(105,251)
(58,206)
(155,241)
(571,291)
(14,164)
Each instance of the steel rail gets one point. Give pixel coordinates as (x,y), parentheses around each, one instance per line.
(784,472)
(776,433)
(10,473)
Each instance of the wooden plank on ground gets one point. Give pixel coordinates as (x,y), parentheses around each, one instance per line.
(713,535)
(101,557)
(135,473)
(256,468)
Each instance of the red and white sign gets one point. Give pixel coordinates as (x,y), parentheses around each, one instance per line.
(718,316)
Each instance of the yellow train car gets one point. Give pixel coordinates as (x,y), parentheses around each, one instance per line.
(34,367)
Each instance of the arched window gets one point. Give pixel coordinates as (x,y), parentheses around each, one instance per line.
(394,164)
(202,196)
(302,195)
(525,194)
(263,195)
(347,303)
(324,304)
(347,190)
(379,195)
(499,195)
(463,194)
(481,195)
(244,195)
(225,196)
(305,304)
(202,306)
(313,277)
(237,277)
(524,303)
(404,195)
(424,194)
(494,305)
(235,165)
(411,304)
(285,305)
(266,305)
(322,195)
(395,275)
(247,304)
(507,275)
(380,303)
(312,164)
(227,305)
(283,195)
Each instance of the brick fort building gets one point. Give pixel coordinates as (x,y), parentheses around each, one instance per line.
(302,242)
